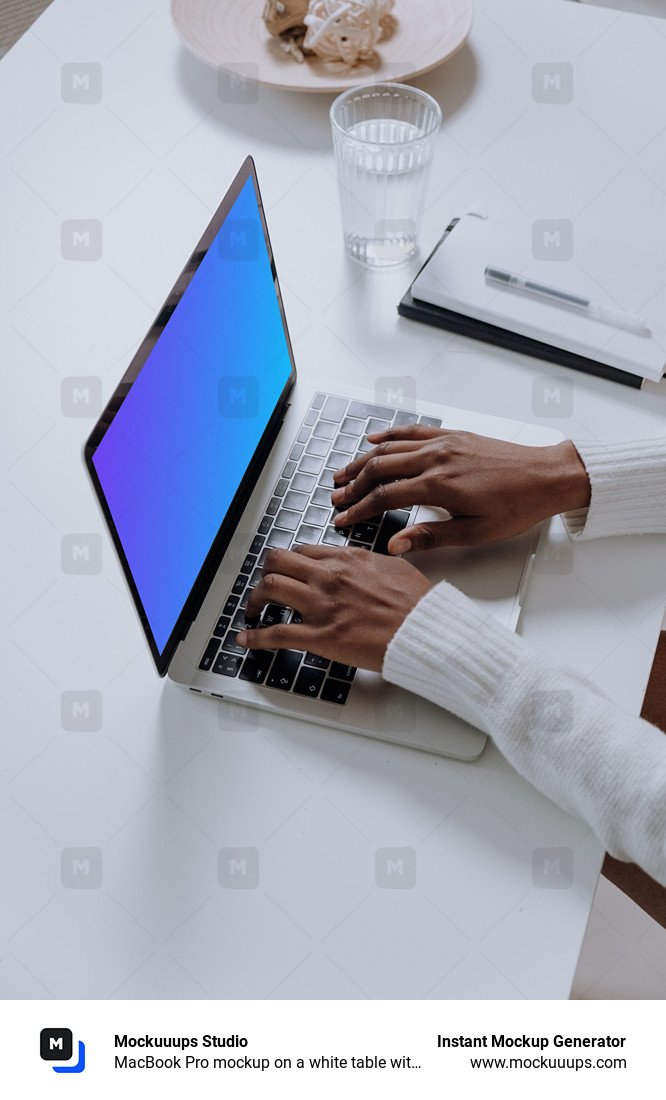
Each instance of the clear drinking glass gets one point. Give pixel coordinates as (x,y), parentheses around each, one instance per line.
(384,140)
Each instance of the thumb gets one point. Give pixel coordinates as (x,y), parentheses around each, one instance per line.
(426,536)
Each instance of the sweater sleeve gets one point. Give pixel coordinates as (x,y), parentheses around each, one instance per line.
(628,481)
(556,728)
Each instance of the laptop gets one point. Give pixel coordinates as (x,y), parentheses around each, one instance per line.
(209,453)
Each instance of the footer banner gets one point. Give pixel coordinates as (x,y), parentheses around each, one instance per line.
(327,1048)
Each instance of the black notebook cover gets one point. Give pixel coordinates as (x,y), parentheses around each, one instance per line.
(481,330)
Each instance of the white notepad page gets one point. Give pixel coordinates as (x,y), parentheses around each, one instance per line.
(603,270)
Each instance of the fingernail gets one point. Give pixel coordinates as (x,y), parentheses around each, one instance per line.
(340,518)
(337,494)
(241,638)
(401,546)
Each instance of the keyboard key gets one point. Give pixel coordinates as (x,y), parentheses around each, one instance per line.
(309,535)
(230,645)
(288,520)
(256,577)
(308,682)
(296,617)
(318,447)
(284,669)
(336,460)
(364,532)
(391,524)
(311,418)
(246,596)
(322,497)
(335,691)
(263,529)
(347,444)
(289,468)
(275,613)
(430,421)
(318,400)
(282,539)
(256,665)
(404,419)
(351,426)
(334,409)
(303,435)
(326,480)
(342,672)
(376,425)
(325,430)
(239,585)
(364,446)
(363,411)
(336,536)
(206,662)
(227,664)
(239,621)
(310,465)
(221,626)
(281,487)
(272,506)
(249,563)
(231,605)
(296,452)
(316,661)
(257,542)
(263,555)
(319,517)
(303,483)
(297,502)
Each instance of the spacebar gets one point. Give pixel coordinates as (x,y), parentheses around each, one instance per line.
(391,524)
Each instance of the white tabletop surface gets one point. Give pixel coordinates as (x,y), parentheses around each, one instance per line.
(112,830)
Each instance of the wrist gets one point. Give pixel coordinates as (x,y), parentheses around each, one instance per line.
(569,482)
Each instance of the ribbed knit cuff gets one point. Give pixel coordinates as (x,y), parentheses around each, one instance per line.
(452,652)
(628,481)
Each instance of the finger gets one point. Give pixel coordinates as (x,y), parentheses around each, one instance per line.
(379,469)
(288,563)
(353,469)
(322,551)
(274,588)
(397,494)
(281,636)
(461,531)
(413,431)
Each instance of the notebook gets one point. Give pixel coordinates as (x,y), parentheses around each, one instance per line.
(557,254)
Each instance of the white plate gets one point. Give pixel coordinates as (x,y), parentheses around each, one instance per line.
(231,35)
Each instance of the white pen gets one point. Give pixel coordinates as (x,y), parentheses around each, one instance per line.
(553,294)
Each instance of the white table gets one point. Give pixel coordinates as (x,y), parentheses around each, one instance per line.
(112,828)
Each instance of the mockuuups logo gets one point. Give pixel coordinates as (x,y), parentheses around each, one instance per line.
(56,1044)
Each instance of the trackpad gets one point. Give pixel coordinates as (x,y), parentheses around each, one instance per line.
(491,574)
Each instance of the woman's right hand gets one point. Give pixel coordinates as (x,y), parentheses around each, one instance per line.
(492,489)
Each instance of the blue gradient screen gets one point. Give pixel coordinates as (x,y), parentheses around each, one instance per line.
(174,455)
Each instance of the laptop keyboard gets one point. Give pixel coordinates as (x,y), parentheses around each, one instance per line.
(300,511)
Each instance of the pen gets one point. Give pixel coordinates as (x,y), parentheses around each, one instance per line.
(553,294)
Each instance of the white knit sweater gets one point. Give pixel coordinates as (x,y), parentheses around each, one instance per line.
(553,725)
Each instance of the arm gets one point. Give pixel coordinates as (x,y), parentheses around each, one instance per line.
(494,489)
(556,728)
(628,481)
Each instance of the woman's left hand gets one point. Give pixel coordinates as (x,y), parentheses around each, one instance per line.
(351,602)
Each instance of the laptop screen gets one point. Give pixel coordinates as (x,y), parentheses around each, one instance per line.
(171,460)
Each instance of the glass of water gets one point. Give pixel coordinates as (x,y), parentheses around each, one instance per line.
(384,140)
